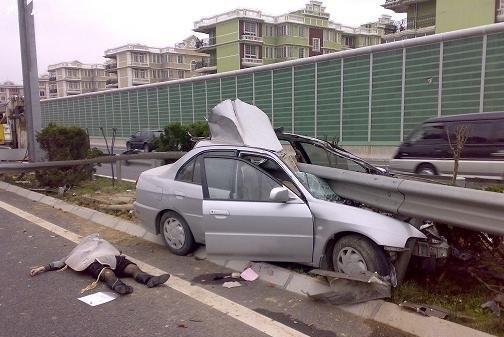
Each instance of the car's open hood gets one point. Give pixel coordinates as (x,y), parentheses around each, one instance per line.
(238,123)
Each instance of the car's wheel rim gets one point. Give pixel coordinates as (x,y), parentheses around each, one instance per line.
(350,261)
(427,172)
(174,233)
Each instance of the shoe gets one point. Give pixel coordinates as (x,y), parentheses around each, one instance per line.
(157,280)
(122,288)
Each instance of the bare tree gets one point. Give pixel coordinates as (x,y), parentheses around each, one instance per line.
(457,141)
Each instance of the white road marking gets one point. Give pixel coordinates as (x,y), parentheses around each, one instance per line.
(217,302)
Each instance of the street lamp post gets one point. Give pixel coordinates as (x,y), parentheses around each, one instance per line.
(30,77)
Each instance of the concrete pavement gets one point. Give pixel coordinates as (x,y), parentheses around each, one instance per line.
(47,305)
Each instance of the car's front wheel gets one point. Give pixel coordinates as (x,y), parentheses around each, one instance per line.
(355,254)
(176,234)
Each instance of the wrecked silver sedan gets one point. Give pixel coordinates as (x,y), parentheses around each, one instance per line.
(244,197)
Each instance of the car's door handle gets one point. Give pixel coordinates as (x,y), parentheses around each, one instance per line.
(179,195)
(219,212)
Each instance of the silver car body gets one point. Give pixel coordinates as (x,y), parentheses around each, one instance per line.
(297,230)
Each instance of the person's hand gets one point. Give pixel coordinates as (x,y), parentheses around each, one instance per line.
(36,270)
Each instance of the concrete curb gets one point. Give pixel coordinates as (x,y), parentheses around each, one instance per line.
(378,310)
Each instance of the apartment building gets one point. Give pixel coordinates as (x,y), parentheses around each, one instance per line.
(73,78)
(246,38)
(137,64)
(44,86)
(9,89)
(426,17)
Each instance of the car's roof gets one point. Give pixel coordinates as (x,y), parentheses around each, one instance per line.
(468,117)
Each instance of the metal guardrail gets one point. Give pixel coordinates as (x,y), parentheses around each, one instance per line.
(461,207)
(16,167)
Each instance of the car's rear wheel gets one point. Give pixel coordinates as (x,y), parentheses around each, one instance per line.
(176,234)
(426,170)
(128,146)
(355,254)
(146,147)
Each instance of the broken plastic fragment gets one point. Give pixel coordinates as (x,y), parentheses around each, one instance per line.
(249,275)
(232,284)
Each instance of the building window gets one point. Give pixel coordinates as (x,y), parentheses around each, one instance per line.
(138,73)
(282,30)
(2,89)
(250,28)
(316,44)
(280,52)
(250,51)
(268,52)
(301,53)
(348,41)
(72,73)
(180,59)
(138,58)
(301,31)
(73,85)
(2,98)
(180,73)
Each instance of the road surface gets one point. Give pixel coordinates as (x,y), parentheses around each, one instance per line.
(47,305)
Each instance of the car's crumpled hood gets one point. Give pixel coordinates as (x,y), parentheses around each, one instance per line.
(238,123)
(334,217)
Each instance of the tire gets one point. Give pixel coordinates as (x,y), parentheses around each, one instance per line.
(361,255)
(176,234)
(426,170)
(146,147)
(128,146)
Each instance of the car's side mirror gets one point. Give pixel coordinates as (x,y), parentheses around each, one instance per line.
(280,194)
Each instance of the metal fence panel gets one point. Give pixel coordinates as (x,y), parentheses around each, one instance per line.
(304,99)
(328,99)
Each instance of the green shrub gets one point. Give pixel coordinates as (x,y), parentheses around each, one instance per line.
(65,143)
(176,137)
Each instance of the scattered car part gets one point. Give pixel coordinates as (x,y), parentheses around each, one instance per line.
(349,289)
(425,309)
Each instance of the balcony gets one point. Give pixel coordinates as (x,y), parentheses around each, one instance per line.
(53,91)
(252,38)
(251,62)
(205,66)
(138,80)
(111,67)
(111,81)
(400,6)
(52,78)
(411,27)
(500,14)
(139,64)
(206,43)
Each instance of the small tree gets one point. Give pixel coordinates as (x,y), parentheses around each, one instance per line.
(65,143)
(457,141)
(177,137)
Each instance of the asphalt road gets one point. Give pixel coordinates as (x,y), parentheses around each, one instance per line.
(48,305)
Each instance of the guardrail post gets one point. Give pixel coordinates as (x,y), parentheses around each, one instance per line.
(119,170)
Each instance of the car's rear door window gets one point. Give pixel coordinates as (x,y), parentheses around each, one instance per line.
(190,172)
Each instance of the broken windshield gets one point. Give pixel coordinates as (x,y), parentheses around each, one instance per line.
(318,187)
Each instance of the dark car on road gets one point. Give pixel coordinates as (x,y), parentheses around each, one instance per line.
(143,140)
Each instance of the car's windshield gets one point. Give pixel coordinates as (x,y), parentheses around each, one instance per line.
(317,187)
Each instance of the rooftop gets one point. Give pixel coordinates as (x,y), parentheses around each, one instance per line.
(143,48)
(75,64)
(313,8)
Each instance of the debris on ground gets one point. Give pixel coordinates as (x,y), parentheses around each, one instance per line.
(425,310)
(99,298)
(249,275)
(231,284)
(493,307)
(350,289)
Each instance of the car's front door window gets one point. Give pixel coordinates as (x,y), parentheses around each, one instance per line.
(232,179)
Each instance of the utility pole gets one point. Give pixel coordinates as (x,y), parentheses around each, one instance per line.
(30,77)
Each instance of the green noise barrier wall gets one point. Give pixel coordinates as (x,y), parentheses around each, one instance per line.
(368,96)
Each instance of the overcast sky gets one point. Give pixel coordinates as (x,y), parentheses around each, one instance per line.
(68,30)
